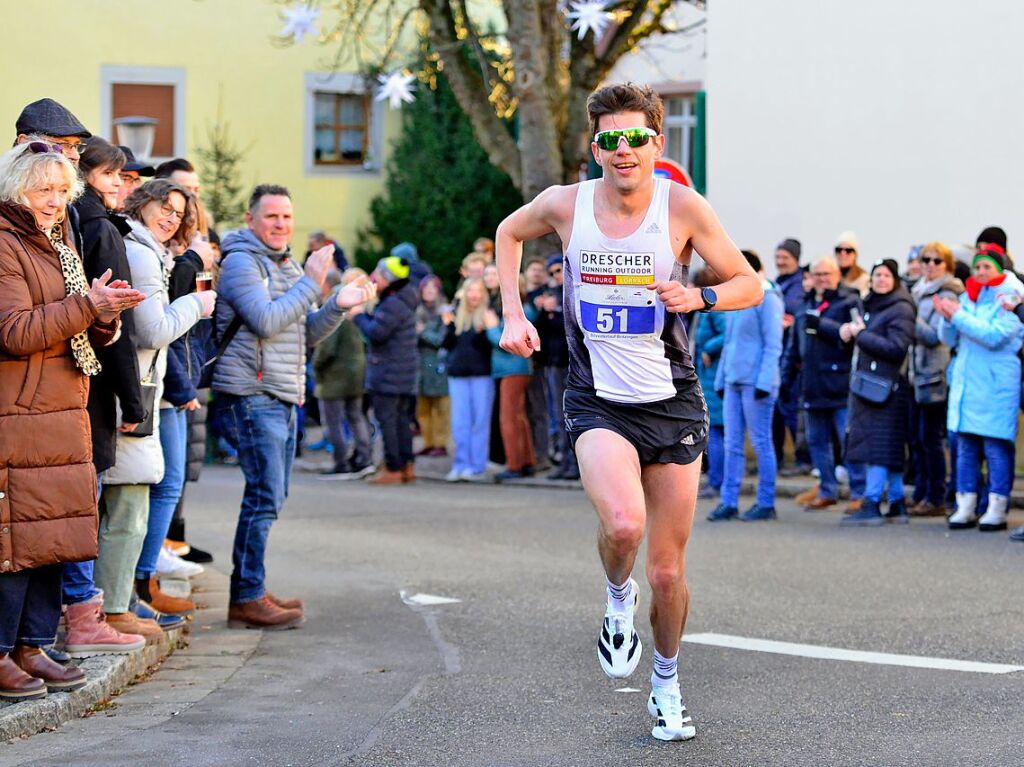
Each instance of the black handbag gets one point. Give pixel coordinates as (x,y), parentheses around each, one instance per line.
(148,386)
(871,387)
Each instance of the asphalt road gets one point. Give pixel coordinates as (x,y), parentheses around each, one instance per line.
(508,675)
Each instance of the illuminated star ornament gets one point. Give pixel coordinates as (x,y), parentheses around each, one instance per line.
(396,87)
(589,15)
(300,21)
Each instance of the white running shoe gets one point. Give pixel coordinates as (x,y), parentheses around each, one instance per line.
(171,566)
(455,475)
(674,723)
(618,647)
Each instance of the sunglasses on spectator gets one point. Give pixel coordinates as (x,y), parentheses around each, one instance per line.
(821,274)
(929,260)
(58,147)
(608,140)
(841,249)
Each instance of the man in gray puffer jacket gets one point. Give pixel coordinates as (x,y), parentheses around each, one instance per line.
(260,378)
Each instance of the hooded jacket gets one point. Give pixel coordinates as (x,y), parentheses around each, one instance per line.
(391,358)
(876,434)
(278,307)
(753,345)
(47,480)
(158,321)
(984,384)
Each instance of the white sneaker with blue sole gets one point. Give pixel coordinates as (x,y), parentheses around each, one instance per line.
(618,647)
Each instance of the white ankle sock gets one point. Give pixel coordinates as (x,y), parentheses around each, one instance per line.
(620,596)
(666,670)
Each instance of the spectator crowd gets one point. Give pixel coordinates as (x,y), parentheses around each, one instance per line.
(133,336)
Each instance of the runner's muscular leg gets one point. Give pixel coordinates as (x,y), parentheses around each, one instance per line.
(610,469)
(671,495)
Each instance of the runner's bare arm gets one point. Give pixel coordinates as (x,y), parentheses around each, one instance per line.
(544,215)
(694,224)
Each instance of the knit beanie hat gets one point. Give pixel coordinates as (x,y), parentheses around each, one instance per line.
(992,235)
(891,265)
(993,253)
(790,245)
(552,260)
(393,268)
(407,251)
(850,239)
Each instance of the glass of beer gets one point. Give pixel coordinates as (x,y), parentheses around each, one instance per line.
(204,281)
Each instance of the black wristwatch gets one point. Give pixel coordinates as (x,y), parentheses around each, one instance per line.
(710,299)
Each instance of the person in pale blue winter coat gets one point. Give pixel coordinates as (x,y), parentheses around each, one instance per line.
(984,387)
(709,339)
(748,373)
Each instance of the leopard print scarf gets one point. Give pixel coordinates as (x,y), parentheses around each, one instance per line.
(74,282)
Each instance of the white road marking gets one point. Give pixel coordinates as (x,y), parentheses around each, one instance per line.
(628,689)
(854,656)
(425,600)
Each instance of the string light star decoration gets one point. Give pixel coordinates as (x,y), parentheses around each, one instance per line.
(589,15)
(396,87)
(300,20)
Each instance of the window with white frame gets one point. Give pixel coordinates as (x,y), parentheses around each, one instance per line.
(679,129)
(154,93)
(343,125)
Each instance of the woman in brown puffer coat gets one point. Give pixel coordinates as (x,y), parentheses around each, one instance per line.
(50,319)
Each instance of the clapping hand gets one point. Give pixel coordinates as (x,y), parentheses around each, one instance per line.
(112,298)
(356,293)
(319,263)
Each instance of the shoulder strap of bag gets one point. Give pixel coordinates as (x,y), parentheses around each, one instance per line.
(234,326)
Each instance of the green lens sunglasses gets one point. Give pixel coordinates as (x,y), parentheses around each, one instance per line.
(635,137)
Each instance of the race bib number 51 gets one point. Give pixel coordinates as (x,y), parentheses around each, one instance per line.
(614,301)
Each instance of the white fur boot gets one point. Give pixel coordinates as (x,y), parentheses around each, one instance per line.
(965,515)
(994,518)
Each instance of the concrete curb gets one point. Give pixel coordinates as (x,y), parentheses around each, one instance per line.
(109,675)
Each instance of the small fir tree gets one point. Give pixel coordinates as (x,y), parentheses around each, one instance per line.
(441,191)
(219,163)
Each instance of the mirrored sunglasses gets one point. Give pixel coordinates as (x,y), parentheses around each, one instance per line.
(635,137)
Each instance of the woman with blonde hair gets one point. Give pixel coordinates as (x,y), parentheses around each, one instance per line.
(470,385)
(51,321)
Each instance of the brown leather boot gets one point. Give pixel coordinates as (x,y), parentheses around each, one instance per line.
(409,473)
(286,604)
(262,614)
(57,678)
(15,684)
(804,498)
(130,623)
(386,477)
(149,591)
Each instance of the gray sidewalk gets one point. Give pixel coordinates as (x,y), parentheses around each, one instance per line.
(205,653)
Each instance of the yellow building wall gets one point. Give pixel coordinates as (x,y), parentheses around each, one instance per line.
(56,48)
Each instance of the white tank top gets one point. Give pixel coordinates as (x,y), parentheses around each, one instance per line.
(623,345)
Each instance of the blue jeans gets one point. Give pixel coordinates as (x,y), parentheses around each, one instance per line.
(164,495)
(822,425)
(716,457)
(744,412)
(1000,455)
(262,429)
(472,401)
(876,479)
(78,582)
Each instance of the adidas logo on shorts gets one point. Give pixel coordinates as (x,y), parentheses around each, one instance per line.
(687,440)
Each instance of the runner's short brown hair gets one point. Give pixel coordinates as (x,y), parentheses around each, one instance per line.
(626,97)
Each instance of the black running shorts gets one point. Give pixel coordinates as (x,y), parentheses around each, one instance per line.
(673,430)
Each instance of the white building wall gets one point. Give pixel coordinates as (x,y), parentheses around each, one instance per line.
(671,63)
(900,120)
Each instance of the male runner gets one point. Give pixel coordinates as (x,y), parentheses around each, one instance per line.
(634,409)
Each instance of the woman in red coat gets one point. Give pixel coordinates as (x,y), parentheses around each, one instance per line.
(50,319)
